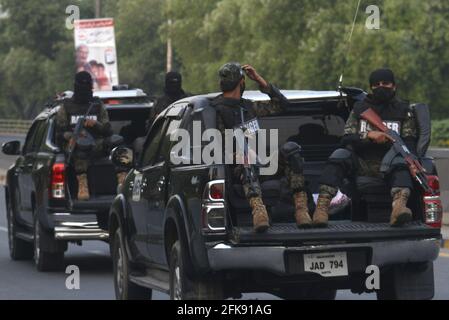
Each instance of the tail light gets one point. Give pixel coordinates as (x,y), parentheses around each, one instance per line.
(57,181)
(433,209)
(213,210)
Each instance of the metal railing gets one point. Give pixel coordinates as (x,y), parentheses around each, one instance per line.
(14,126)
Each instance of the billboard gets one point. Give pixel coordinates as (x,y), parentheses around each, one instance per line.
(96,52)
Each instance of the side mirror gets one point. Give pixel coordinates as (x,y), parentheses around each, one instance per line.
(122,157)
(11,148)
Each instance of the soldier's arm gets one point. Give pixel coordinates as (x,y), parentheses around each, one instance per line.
(62,125)
(352,135)
(103,126)
(409,132)
(278,103)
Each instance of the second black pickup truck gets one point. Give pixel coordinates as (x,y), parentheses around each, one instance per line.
(186,229)
(40,193)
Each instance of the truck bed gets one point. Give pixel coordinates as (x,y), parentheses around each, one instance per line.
(336,231)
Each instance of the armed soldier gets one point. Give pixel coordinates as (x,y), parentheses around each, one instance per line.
(366,149)
(229,106)
(96,126)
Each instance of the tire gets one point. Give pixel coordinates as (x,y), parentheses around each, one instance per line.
(125,289)
(315,293)
(19,249)
(184,288)
(44,260)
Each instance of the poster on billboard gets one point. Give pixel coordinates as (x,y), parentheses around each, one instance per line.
(96,52)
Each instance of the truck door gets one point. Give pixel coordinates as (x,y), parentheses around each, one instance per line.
(137,197)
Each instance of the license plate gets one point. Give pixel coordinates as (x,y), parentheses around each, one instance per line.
(328,264)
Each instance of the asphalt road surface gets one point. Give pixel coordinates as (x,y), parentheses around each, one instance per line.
(20,280)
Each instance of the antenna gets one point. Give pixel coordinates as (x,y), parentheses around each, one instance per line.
(348,47)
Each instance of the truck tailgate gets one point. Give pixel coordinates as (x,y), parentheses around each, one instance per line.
(336,231)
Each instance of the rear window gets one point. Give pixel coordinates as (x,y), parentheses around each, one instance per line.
(130,123)
(317,126)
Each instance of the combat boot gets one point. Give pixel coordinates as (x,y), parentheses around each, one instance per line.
(400,213)
(302,216)
(321,214)
(83,188)
(260,216)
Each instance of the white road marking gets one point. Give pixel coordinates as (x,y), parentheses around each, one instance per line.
(3,229)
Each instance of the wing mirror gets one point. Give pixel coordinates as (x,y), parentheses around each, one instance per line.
(122,157)
(11,148)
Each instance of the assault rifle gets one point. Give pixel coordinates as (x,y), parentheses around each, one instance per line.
(249,172)
(400,147)
(79,138)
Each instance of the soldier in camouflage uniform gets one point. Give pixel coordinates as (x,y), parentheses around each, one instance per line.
(229,106)
(365,149)
(97,124)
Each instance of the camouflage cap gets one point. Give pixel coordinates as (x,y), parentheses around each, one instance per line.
(231,72)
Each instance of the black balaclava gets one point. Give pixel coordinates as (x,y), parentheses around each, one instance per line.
(173,84)
(382,95)
(83,92)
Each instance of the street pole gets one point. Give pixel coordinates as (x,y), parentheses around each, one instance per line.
(169,49)
(97,8)
(169,40)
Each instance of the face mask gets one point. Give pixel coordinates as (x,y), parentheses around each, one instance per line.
(173,88)
(383,95)
(82,94)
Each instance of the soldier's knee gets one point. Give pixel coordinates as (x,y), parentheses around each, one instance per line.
(291,152)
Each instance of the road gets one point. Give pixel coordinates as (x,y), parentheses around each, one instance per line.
(20,280)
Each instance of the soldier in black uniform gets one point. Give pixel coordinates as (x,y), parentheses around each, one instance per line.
(229,106)
(96,124)
(365,149)
(173,92)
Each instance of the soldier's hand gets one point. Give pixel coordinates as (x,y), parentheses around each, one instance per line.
(89,123)
(379,137)
(253,75)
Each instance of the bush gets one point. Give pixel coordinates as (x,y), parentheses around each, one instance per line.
(440,133)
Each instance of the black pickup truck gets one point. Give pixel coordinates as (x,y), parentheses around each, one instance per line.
(186,229)
(40,192)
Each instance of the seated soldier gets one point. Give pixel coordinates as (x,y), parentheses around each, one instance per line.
(365,148)
(229,106)
(96,126)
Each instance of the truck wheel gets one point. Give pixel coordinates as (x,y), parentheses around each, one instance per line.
(19,249)
(407,282)
(44,260)
(184,288)
(125,289)
(294,293)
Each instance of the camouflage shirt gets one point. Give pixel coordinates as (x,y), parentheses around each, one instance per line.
(397,116)
(69,113)
(228,110)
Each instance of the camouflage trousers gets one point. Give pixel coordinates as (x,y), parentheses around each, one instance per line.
(296,182)
(337,170)
(81,160)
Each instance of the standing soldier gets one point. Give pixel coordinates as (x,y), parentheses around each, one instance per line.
(96,124)
(173,92)
(229,106)
(366,148)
